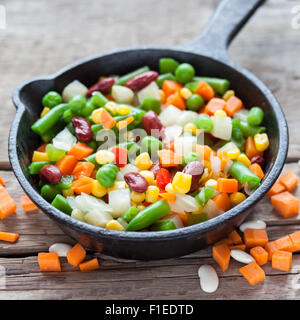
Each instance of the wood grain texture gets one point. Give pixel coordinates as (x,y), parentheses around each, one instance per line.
(43,36)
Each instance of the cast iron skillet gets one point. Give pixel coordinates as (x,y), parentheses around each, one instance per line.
(208,54)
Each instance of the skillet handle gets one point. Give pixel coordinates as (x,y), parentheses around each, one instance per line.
(228,19)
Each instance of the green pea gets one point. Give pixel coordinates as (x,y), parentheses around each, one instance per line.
(189,157)
(53,153)
(77,103)
(151,144)
(151,104)
(204,122)
(51,99)
(107,175)
(167,65)
(255,116)
(195,102)
(98,99)
(49,191)
(166,76)
(184,73)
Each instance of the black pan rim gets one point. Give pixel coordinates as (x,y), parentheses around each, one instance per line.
(98,232)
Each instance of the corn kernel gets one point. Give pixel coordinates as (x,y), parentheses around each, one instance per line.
(105,156)
(148,175)
(68,192)
(114,225)
(137,197)
(199,210)
(98,190)
(140,207)
(123,110)
(190,127)
(45,110)
(96,115)
(152,193)
(220,113)
(143,161)
(111,107)
(181,182)
(162,96)
(211,183)
(228,94)
(261,141)
(117,186)
(236,198)
(186,93)
(233,153)
(169,188)
(244,159)
(39,156)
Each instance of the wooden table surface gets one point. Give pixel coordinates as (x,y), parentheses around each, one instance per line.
(41,37)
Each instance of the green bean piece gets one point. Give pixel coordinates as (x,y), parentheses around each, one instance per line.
(49,191)
(163,225)
(68,115)
(123,79)
(240,172)
(195,102)
(107,175)
(62,204)
(167,65)
(255,116)
(204,195)
(197,218)
(250,130)
(193,85)
(151,104)
(149,215)
(130,214)
(42,125)
(53,131)
(70,127)
(204,122)
(77,103)
(184,73)
(189,157)
(51,99)
(219,85)
(98,99)
(65,182)
(88,109)
(35,167)
(166,76)
(237,134)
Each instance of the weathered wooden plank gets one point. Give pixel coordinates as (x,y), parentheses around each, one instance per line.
(38,232)
(266,48)
(23,280)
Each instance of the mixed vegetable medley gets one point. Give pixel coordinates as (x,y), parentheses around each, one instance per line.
(148,151)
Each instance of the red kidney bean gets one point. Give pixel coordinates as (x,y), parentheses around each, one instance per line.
(136,182)
(50,174)
(152,125)
(195,168)
(82,129)
(259,160)
(141,80)
(156,166)
(103,86)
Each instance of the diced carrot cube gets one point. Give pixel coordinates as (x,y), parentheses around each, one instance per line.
(255,237)
(282,260)
(285,204)
(289,180)
(253,273)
